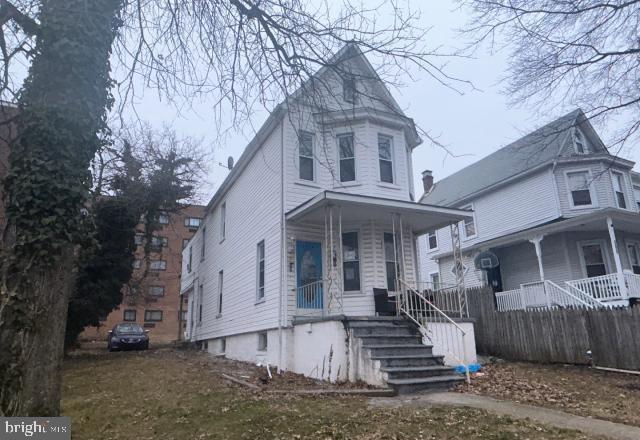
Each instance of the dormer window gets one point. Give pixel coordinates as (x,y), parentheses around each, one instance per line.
(349,88)
(579,142)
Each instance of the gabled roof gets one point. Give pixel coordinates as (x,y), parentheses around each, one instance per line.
(542,146)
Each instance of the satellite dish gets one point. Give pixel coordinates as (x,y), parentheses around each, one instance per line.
(230,162)
(486,260)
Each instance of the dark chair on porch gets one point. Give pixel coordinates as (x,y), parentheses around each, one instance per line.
(385,306)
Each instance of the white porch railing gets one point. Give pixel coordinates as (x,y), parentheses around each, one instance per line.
(446,297)
(633,284)
(541,294)
(429,319)
(602,288)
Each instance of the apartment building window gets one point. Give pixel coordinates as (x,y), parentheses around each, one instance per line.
(220,286)
(579,142)
(349,90)
(204,243)
(634,257)
(469,224)
(156,290)
(618,189)
(636,192)
(139,239)
(432,241)
(158,265)
(260,271)
(153,315)
(385,158)
(262,341)
(129,315)
(579,188)
(347,158)
(350,262)
(305,156)
(137,263)
(158,241)
(223,220)
(163,218)
(200,302)
(391,264)
(192,222)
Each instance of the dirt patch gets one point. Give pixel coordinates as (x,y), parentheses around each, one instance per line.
(578,390)
(168,394)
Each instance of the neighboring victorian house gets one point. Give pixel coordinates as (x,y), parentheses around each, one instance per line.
(556,221)
(317,213)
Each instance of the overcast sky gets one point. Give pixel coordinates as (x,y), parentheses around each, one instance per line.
(472,125)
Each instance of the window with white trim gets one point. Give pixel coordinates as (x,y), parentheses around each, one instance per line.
(579,142)
(432,241)
(593,259)
(469,224)
(260,271)
(305,156)
(223,220)
(204,243)
(263,341)
(200,302)
(434,277)
(158,241)
(579,188)
(391,263)
(192,222)
(129,315)
(163,218)
(633,249)
(618,189)
(347,158)
(350,262)
(385,158)
(349,90)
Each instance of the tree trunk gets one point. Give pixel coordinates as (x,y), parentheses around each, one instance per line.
(62,113)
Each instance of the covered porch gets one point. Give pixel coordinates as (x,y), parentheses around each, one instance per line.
(340,247)
(592,260)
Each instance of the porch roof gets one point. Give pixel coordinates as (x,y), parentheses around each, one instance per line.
(355,207)
(623,220)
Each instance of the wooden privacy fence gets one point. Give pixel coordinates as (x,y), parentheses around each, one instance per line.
(557,335)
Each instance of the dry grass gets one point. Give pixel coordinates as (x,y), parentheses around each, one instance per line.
(578,390)
(167,394)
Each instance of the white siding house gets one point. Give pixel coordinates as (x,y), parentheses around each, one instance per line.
(557,214)
(317,213)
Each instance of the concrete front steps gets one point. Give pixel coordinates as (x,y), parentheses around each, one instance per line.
(406,364)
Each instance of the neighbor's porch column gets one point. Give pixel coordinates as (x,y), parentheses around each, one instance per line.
(536,242)
(616,258)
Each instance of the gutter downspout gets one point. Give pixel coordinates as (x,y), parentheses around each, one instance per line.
(283,238)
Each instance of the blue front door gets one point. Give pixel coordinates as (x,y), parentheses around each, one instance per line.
(309,275)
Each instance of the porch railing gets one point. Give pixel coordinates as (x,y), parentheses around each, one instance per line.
(633,284)
(541,294)
(446,297)
(433,323)
(311,297)
(602,288)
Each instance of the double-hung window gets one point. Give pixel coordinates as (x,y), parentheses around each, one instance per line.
(351,262)
(305,156)
(434,277)
(349,90)
(192,222)
(220,287)
(579,142)
(158,265)
(385,158)
(163,218)
(469,224)
(618,189)
(347,158)
(432,241)
(129,315)
(634,257)
(200,302)
(579,188)
(153,315)
(391,262)
(223,220)
(260,271)
(156,290)
(593,259)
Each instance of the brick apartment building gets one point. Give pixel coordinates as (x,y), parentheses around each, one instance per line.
(155,302)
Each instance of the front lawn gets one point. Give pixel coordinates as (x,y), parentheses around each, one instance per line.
(168,394)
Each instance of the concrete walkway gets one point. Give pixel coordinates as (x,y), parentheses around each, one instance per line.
(560,419)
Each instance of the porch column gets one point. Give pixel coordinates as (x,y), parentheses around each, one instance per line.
(536,242)
(616,259)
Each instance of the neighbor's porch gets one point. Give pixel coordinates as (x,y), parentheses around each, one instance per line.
(591,261)
(340,247)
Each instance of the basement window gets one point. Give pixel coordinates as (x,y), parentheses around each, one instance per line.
(262,341)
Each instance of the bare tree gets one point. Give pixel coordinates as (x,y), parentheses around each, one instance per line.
(582,53)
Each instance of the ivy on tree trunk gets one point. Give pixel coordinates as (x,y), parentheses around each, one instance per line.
(62,115)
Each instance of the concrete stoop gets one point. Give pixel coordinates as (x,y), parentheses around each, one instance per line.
(406,364)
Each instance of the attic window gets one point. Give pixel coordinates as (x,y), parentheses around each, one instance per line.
(579,142)
(349,88)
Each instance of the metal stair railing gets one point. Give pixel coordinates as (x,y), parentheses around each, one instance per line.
(427,316)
